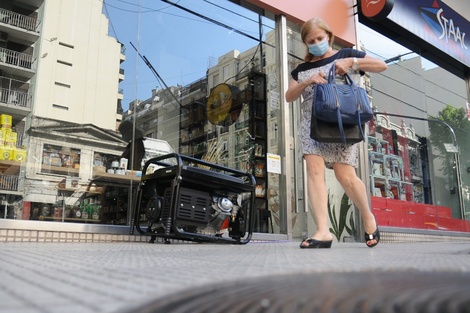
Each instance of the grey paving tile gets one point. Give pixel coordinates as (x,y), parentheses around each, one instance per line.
(104,277)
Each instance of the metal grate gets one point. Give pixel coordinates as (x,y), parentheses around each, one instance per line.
(325,292)
(193,206)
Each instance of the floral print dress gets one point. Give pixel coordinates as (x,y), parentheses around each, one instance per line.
(331,152)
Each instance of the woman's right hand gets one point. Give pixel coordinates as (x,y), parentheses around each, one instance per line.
(318,78)
(295,89)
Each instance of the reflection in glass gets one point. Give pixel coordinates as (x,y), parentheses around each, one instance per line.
(223,107)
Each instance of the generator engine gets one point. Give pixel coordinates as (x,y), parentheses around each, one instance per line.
(224,210)
(199,211)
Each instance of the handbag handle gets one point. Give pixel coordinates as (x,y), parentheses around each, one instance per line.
(331,76)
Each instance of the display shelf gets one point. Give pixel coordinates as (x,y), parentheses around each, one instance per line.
(78,203)
(378,145)
(108,204)
(403,142)
(387,172)
(115,205)
(393,167)
(83,189)
(115,178)
(259,136)
(260,192)
(395,162)
(69,171)
(259,168)
(71,219)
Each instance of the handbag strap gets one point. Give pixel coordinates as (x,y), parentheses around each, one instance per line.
(359,122)
(341,128)
(331,76)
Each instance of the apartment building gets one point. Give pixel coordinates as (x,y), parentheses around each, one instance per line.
(59,96)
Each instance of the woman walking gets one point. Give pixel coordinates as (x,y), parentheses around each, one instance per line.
(342,158)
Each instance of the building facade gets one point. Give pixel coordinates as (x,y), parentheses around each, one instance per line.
(60,85)
(76,100)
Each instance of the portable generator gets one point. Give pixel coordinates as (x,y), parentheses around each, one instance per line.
(181,197)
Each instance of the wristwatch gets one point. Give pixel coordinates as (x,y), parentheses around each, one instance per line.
(355,65)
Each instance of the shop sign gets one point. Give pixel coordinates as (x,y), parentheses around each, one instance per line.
(274,163)
(376,9)
(451,148)
(430,20)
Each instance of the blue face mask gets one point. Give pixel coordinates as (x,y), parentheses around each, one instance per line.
(319,49)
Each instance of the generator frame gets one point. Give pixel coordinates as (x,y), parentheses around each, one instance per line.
(167,178)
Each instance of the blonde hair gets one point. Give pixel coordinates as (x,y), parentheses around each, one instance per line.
(307,28)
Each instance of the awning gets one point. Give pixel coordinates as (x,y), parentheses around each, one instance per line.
(41,198)
(53,199)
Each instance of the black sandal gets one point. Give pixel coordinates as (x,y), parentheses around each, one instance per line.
(315,244)
(374,236)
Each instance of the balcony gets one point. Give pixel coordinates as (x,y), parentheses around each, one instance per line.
(17,103)
(14,98)
(9,182)
(16,58)
(121,74)
(120,94)
(18,20)
(9,175)
(123,53)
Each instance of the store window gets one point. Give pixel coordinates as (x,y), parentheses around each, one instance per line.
(415,174)
(217,101)
(60,160)
(227,100)
(417,144)
(103,198)
(98,202)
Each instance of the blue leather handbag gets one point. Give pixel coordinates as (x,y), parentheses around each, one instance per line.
(344,105)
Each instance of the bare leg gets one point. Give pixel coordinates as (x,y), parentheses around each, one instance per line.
(318,196)
(356,191)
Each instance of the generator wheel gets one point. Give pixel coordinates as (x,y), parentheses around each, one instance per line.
(153,209)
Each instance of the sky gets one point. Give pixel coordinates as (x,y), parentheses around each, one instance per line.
(181,46)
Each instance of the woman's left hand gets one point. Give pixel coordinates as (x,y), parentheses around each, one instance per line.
(342,66)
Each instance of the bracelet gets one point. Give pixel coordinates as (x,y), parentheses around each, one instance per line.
(355,65)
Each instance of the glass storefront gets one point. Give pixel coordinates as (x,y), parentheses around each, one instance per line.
(417,147)
(202,78)
(208,89)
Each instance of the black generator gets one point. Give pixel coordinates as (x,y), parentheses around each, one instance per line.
(180,197)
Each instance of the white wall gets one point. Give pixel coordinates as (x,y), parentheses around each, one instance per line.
(75,32)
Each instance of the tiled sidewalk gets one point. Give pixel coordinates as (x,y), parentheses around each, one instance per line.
(108,277)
